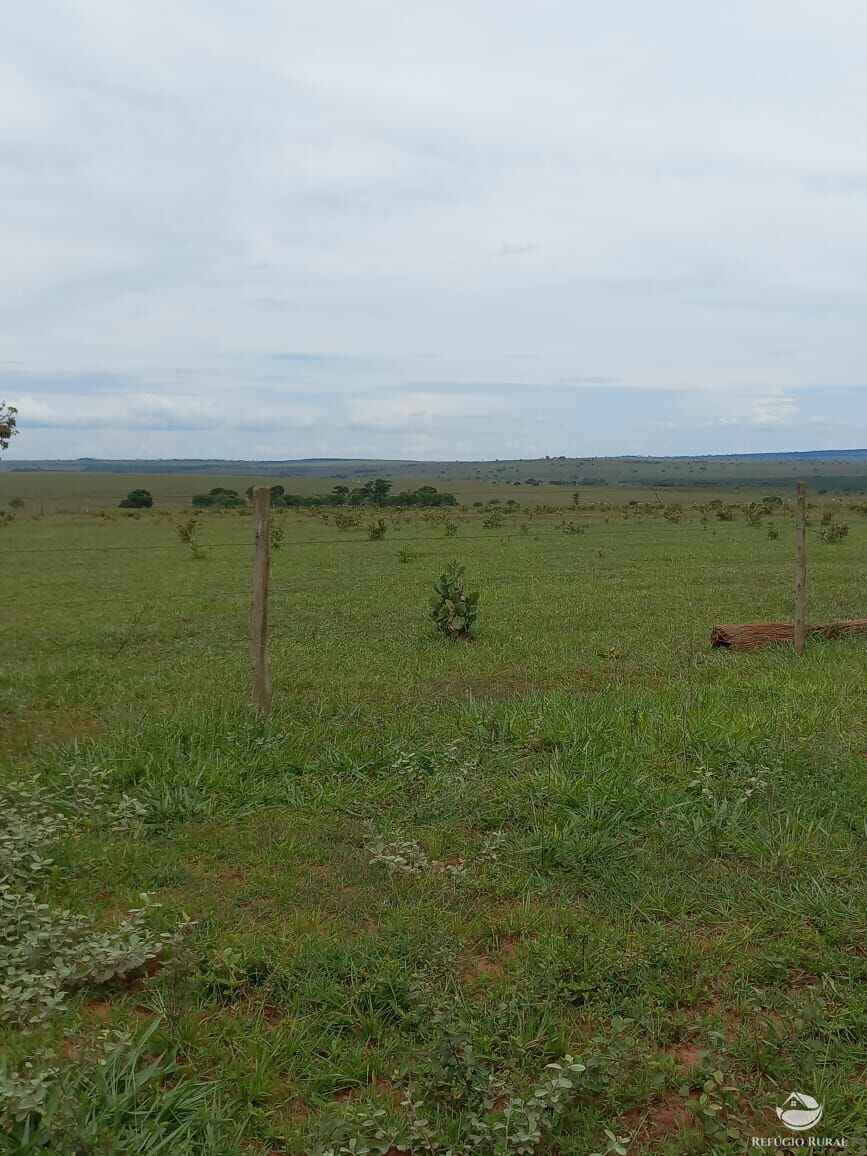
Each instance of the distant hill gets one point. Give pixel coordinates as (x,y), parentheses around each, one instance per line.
(839,471)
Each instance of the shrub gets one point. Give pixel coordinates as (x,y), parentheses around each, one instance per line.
(773,532)
(136,500)
(219,498)
(451,528)
(18,503)
(47,951)
(344,520)
(377,530)
(454,611)
(188,534)
(494,520)
(404,554)
(833,532)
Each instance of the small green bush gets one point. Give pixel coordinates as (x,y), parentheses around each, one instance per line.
(454,611)
(188,533)
(833,532)
(377,530)
(137,500)
(345,520)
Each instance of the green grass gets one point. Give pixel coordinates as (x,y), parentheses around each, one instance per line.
(621,845)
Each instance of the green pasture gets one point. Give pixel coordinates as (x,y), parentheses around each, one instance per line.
(434,869)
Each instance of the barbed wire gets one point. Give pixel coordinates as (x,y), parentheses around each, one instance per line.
(289,543)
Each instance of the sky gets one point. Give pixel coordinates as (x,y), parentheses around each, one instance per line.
(475,229)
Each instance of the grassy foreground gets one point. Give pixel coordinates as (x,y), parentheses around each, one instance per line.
(377,916)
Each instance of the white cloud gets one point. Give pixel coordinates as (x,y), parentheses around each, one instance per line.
(148,411)
(629,196)
(419,409)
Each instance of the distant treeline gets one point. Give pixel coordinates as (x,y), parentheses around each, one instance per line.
(847,484)
(373,493)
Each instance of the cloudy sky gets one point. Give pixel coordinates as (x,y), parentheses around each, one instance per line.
(486,228)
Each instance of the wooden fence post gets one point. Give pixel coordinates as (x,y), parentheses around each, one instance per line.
(259,599)
(800,629)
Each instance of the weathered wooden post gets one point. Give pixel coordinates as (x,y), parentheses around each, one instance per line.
(800,629)
(259,599)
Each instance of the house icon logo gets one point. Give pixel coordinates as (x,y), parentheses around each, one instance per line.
(800,1112)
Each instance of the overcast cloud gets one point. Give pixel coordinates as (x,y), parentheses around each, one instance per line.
(266,228)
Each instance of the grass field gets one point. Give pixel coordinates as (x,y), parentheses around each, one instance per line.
(376,916)
(90,485)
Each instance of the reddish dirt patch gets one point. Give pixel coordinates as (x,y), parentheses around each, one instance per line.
(100,1009)
(483,967)
(672,1115)
(388,1090)
(35,723)
(509,946)
(231,876)
(687,1055)
(344,1095)
(384,1088)
(655,1121)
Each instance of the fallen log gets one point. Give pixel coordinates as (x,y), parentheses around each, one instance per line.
(748,636)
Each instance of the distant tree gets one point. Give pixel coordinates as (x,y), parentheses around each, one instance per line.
(341,493)
(378,490)
(219,498)
(137,500)
(8,423)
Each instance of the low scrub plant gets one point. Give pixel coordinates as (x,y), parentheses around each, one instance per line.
(188,534)
(377,530)
(346,520)
(122,1100)
(47,951)
(452,608)
(832,532)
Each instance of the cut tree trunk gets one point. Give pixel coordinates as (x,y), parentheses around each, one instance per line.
(752,634)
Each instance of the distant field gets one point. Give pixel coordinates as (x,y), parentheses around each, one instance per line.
(435,868)
(87,486)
